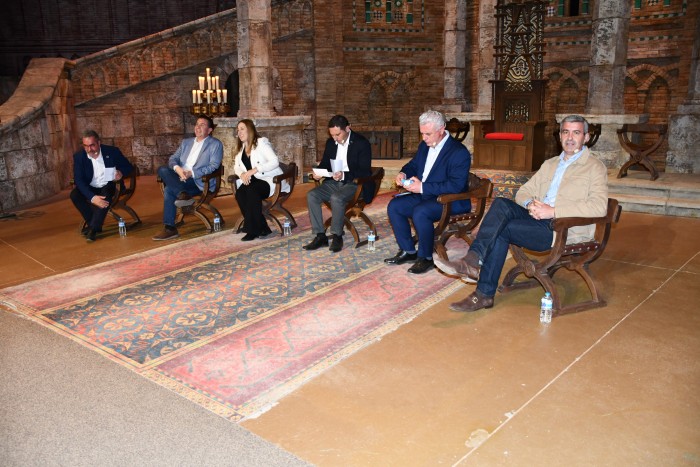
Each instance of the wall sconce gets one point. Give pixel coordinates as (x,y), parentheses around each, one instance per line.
(208,98)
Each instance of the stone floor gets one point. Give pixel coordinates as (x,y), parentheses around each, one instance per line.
(612,386)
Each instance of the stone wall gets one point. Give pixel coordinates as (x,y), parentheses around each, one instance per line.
(37,128)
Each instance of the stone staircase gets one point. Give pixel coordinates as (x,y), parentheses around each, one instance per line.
(671,194)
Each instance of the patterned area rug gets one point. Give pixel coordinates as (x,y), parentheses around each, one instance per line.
(234,326)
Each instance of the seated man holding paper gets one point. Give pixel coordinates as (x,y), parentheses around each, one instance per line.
(96,168)
(347,156)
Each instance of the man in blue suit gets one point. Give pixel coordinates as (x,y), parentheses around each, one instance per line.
(95,170)
(440,166)
(182,176)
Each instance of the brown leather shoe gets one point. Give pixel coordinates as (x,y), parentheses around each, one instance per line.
(467,267)
(168,233)
(475,301)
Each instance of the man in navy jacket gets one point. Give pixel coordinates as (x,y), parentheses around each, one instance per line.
(440,166)
(96,168)
(348,155)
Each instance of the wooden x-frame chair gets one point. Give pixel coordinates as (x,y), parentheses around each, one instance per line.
(356,206)
(273,207)
(575,257)
(461,225)
(202,201)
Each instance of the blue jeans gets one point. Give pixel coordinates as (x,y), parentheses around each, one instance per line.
(506,222)
(173,187)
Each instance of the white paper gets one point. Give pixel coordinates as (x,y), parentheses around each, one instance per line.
(337,165)
(322,173)
(110,173)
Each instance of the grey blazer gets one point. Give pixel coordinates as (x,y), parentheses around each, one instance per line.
(209,159)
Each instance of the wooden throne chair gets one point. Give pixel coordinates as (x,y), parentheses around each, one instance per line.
(514,138)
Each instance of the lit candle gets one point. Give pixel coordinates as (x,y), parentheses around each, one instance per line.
(216,82)
(194,96)
(208,97)
(208,82)
(218,96)
(208,73)
(201,83)
(199,97)
(224,92)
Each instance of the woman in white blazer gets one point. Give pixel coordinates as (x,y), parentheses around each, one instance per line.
(256,164)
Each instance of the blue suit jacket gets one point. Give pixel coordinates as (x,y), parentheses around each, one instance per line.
(359,161)
(209,159)
(449,174)
(83,172)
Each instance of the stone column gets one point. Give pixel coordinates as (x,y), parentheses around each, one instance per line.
(455,55)
(486,70)
(487,62)
(684,126)
(254,43)
(606,85)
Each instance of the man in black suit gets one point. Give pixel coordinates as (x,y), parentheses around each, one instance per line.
(96,170)
(348,155)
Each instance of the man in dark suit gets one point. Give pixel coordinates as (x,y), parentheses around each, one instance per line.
(182,176)
(96,168)
(348,155)
(440,166)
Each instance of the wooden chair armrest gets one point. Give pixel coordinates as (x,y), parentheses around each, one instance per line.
(452,197)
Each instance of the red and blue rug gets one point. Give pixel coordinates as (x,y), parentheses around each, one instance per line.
(234,326)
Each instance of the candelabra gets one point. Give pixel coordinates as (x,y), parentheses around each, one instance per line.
(208,98)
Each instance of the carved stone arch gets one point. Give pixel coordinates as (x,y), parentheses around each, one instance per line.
(78,78)
(284,21)
(123,72)
(307,14)
(169,52)
(297,17)
(111,76)
(134,68)
(145,58)
(277,92)
(656,73)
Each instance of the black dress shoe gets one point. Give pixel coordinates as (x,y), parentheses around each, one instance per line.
(248,237)
(336,243)
(401,257)
(422,265)
(318,241)
(84,231)
(91,236)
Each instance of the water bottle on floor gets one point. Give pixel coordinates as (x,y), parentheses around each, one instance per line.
(217,223)
(122,228)
(287,228)
(546,309)
(370,241)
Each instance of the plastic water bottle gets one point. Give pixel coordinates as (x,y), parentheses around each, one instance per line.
(217,223)
(287,227)
(546,309)
(122,228)
(370,241)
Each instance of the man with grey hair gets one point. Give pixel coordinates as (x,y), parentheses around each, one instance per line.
(440,166)
(575,184)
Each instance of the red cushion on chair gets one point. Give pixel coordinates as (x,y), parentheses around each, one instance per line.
(506,136)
